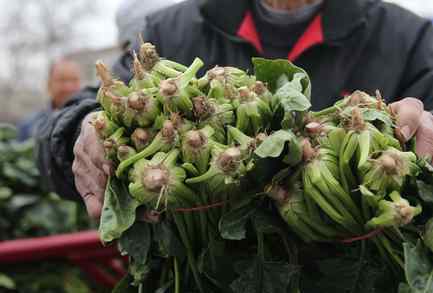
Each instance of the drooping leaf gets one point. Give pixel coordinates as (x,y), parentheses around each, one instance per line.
(291,87)
(118,212)
(232,225)
(217,266)
(428,234)
(418,268)
(273,145)
(274,277)
(136,242)
(404,288)
(426,171)
(376,115)
(425,191)
(270,71)
(168,242)
(291,95)
(265,223)
(345,274)
(138,271)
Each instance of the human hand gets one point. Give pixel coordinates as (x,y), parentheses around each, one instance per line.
(412,121)
(90,168)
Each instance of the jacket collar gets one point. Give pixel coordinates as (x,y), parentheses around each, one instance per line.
(341,18)
(338,18)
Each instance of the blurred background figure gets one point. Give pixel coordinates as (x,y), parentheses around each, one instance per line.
(63,81)
(130,18)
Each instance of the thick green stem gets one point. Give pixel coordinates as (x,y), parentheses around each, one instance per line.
(165,70)
(191,169)
(189,251)
(205,177)
(364,147)
(153,148)
(184,103)
(176,276)
(387,245)
(365,208)
(261,261)
(321,182)
(347,150)
(326,207)
(240,137)
(170,160)
(174,65)
(341,193)
(203,221)
(190,73)
(318,226)
(325,112)
(242,119)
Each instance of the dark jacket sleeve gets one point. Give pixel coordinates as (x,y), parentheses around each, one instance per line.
(417,80)
(55,139)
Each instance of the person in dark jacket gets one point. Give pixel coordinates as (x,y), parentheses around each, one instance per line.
(343,45)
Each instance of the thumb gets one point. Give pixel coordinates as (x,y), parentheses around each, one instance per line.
(424,136)
(93,205)
(408,112)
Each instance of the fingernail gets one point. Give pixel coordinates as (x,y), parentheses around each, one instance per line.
(406,132)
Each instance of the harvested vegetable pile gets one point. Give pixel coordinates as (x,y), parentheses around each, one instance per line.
(227,183)
(26,210)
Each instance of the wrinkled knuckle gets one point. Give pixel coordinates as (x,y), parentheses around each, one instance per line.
(97,156)
(101,179)
(78,148)
(88,196)
(102,176)
(75,167)
(416,103)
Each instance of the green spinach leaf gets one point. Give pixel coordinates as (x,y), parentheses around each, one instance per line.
(118,212)
(418,268)
(345,274)
(232,225)
(270,71)
(263,277)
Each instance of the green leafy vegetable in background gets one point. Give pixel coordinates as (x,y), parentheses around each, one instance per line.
(27,210)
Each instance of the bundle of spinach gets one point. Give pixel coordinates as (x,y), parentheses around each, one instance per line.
(228,183)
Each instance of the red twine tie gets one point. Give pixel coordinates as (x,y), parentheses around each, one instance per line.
(363,237)
(201,208)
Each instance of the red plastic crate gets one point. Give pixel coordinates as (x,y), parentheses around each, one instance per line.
(84,249)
